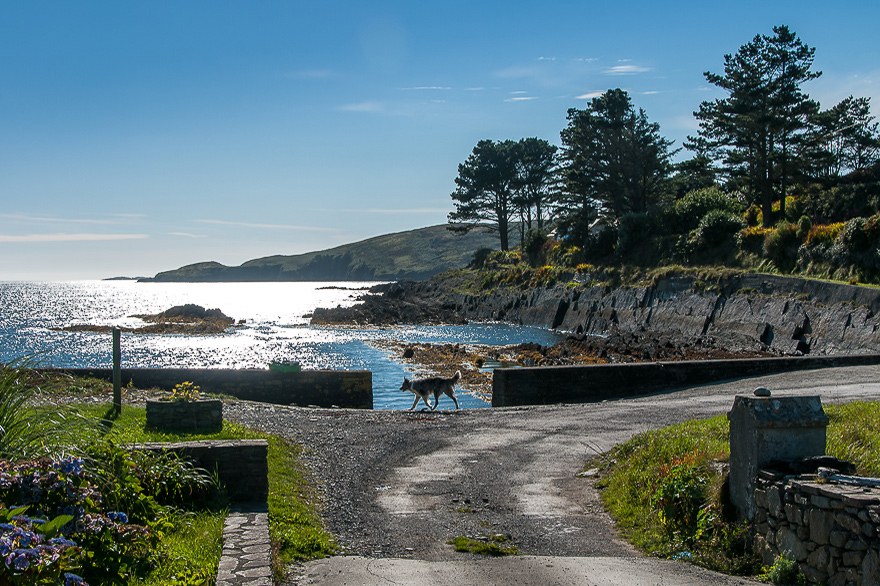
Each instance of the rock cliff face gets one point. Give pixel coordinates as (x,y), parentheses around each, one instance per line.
(780,314)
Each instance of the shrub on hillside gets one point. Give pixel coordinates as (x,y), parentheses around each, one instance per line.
(781,245)
(841,203)
(600,243)
(717,227)
(687,213)
(632,231)
(751,239)
(533,246)
(823,233)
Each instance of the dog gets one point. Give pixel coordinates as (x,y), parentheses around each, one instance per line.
(422,389)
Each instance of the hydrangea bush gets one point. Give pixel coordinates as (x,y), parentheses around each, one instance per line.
(66,537)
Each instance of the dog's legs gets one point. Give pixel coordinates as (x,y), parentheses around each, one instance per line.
(416,402)
(451,393)
(425,399)
(436,400)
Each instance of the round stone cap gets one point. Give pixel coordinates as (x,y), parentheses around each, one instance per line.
(762,392)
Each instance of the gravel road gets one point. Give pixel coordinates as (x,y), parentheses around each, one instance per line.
(398,484)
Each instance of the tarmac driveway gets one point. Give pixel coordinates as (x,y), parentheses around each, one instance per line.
(398,485)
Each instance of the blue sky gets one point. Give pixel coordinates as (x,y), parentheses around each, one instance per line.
(137,137)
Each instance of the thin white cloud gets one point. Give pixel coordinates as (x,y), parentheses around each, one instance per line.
(263,226)
(546,58)
(626,70)
(589,95)
(588,59)
(521,99)
(650,93)
(187,235)
(28,238)
(27,218)
(518,92)
(475,89)
(368,107)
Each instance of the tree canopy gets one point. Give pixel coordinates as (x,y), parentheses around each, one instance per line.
(765,116)
(613,161)
(502,180)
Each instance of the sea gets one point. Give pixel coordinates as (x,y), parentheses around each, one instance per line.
(275,328)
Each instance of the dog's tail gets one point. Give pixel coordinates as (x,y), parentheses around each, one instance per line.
(456,377)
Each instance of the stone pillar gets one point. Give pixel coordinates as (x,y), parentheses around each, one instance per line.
(765,429)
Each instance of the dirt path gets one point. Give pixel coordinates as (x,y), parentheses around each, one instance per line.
(399,484)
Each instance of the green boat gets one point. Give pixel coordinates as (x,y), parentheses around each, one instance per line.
(285,366)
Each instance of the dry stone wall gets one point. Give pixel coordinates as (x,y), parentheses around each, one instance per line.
(188,416)
(830,529)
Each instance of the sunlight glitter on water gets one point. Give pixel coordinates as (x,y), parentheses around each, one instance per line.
(276,327)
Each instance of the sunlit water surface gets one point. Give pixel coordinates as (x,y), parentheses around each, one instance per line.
(276,328)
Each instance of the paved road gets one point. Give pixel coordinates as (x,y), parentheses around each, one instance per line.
(399,484)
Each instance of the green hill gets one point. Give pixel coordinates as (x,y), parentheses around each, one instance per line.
(416,254)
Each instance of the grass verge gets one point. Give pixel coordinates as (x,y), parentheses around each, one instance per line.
(664,487)
(294,523)
(191,552)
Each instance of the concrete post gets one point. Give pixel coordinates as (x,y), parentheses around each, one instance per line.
(765,429)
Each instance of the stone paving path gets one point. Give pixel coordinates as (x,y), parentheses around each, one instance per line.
(246,559)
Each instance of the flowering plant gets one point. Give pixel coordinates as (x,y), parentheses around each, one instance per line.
(185,391)
(81,537)
(30,554)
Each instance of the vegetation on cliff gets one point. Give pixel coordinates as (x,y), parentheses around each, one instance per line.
(775,183)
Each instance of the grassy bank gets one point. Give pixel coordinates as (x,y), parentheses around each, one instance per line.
(664,487)
(294,523)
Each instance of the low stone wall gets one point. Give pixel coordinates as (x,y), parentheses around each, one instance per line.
(242,465)
(830,529)
(321,388)
(599,382)
(187,416)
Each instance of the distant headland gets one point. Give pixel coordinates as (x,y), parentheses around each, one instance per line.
(414,254)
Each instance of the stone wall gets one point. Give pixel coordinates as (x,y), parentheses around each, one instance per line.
(321,388)
(190,416)
(830,529)
(598,382)
(242,465)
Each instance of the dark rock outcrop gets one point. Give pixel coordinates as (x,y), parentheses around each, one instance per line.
(745,314)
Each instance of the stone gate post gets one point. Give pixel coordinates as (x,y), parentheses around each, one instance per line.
(764,429)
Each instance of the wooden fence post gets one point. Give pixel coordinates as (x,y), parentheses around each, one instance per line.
(117,370)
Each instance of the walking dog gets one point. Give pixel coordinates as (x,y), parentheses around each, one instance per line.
(422,389)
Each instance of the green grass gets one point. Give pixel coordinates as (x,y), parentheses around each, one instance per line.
(297,531)
(129,427)
(645,484)
(633,471)
(190,553)
(485,546)
(294,521)
(854,435)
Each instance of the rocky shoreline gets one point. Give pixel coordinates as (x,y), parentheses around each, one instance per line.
(676,318)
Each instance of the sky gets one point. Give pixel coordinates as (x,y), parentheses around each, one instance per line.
(137,137)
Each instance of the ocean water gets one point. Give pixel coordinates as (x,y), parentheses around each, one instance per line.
(276,328)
